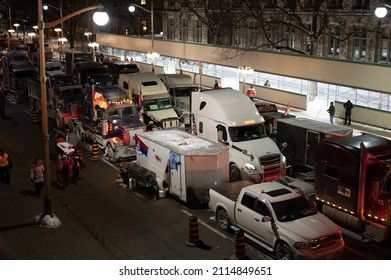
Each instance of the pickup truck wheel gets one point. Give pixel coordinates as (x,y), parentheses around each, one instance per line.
(110,153)
(283,252)
(234,173)
(223,221)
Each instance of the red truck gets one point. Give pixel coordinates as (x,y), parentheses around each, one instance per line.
(350,175)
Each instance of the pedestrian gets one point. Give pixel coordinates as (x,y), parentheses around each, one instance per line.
(251,92)
(5,167)
(216,85)
(2,102)
(63,171)
(331,111)
(37,176)
(266,84)
(348,112)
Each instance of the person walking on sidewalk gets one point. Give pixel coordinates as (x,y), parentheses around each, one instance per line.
(37,176)
(5,167)
(348,112)
(331,111)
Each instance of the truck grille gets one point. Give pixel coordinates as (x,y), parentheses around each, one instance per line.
(326,241)
(169,123)
(272,167)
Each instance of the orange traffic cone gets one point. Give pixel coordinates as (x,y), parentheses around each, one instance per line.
(240,246)
(95,151)
(34,116)
(194,238)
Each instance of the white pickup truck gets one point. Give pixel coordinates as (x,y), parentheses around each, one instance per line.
(278,218)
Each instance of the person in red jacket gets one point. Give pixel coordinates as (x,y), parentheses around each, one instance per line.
(251,92)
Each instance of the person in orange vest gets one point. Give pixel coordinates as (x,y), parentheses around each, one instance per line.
(251,92)
(5,167)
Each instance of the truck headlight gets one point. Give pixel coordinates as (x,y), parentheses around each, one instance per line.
(249,167)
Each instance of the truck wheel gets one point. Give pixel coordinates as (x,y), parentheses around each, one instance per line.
(223,221)
(110,153)
(283,252)
(234,173)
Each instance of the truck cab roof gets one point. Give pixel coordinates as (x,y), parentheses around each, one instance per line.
(213,103)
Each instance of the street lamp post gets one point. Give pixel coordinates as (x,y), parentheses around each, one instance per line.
(244,70)
(153,54)
(46,7)
(16,29)
(48,207)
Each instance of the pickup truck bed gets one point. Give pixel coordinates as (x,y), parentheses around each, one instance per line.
(232,190)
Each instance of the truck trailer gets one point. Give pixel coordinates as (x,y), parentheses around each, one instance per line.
(182,164)
(302,136)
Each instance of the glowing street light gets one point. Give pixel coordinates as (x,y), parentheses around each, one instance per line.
(382,11)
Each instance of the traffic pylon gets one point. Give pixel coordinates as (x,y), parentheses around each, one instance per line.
(34,116)
(194,238)
(240,246)
(95,151)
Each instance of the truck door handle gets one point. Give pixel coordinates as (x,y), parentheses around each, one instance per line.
(240,210)
(256,219)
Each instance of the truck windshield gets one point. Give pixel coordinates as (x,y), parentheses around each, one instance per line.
(293,209)
(157,104)
(246,133)
(123,112)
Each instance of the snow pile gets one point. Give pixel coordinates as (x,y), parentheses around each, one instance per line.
(48,221)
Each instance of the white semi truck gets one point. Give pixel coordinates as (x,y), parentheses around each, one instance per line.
(230,117)
(151,95)
(180,87)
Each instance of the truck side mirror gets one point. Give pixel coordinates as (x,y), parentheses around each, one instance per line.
(283,146)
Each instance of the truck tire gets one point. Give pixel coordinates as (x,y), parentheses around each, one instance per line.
(283,252)
(234,173)
(110,153)
(223,221)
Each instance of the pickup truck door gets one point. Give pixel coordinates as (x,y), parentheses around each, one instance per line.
(265,231)
(244,212)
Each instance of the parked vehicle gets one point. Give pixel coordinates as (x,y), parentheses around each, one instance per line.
(230,117)
(111,120)
(16,69)
(302,136)
(152,97)
(278,218)
(177,162)
(73,58)
(91,72)
(350,174)
(270,113)
(353,183)
(64,97)
(117,67)
(180,87)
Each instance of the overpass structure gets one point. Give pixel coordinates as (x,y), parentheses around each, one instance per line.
(294,79)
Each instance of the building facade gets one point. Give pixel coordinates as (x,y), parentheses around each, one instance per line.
(338,29)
